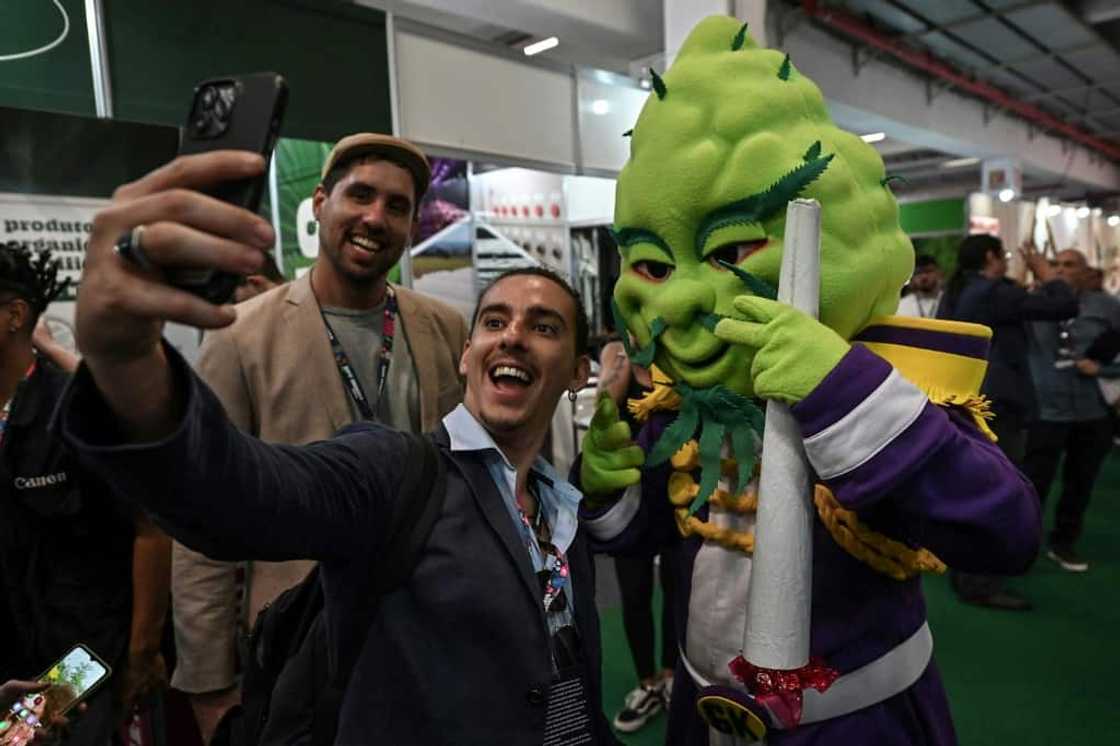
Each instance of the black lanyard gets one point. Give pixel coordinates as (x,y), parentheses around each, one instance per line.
(346,370)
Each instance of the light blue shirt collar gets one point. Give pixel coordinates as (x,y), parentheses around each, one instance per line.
(559,498)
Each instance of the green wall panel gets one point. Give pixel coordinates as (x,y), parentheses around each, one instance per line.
(942,248)
(934,216)
(58,79)
(333,56)
(298,163)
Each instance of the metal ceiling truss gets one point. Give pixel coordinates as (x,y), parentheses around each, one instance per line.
(967,20)
(1079,112)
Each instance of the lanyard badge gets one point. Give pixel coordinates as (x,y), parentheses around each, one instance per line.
(554,577)
(346,370)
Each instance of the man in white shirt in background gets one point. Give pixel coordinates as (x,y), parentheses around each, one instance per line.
(924,289)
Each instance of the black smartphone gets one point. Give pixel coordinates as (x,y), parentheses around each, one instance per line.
(235,113)
(72,679)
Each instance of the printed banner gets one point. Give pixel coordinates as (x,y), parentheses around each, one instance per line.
(298,164)
(62,226)
(44,222)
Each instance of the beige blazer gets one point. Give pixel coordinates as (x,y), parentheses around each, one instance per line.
(274,373)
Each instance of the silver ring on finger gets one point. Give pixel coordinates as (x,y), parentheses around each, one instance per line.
(130,248)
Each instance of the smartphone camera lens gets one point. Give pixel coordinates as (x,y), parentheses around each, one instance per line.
(213,108)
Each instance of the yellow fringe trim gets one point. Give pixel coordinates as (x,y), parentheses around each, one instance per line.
(661,398)
(882,553)
(725,537)
(977,406)
(683,490)
(687,458)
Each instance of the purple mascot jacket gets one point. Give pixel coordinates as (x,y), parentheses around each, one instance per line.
(922,474)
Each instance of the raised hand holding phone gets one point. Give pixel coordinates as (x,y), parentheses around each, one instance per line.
(234,113)
(169,243)
(122,307)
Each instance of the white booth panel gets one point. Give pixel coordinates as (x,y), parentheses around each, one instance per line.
(589,200)
(466,100)
(606,111)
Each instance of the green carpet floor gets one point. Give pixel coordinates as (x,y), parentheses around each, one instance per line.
(1040,678)
(619,676)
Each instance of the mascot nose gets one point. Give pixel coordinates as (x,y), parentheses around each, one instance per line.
(680,304)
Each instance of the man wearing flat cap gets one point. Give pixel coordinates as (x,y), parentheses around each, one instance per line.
(338,345)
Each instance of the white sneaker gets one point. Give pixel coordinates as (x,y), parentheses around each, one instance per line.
(667,691)
(640,706)
(1067,558)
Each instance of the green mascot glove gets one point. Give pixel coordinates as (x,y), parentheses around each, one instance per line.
(611,460)
(793,352)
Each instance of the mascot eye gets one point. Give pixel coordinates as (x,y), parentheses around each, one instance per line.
(733,253)
(651,270)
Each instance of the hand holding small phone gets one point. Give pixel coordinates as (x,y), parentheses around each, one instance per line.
(11,691)
(32,710)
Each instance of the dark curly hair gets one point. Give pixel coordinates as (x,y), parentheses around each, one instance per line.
(972,253)
(582,330)
(30,276)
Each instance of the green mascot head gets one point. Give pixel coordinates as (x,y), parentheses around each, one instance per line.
(729,136)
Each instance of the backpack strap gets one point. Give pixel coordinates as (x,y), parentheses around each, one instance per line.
(418,506)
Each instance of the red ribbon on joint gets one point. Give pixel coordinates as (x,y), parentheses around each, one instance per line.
(781,691)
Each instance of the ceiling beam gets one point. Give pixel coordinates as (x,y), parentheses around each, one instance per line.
(1048,54)
(967,20)
(1094,114)
(1063,91)
(857,29)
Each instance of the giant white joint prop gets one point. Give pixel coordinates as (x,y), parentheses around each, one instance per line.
(779,599)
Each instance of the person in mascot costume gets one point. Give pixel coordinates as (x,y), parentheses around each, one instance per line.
(905,476)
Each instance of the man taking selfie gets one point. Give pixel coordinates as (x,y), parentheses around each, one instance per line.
(494,638)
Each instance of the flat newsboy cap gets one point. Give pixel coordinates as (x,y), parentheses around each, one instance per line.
(394,148)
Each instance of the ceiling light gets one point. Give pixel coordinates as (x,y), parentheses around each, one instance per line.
(1083,212)
(960,163)
(1113,220)
(874,137)
(541,46)
(600,106)
(1053,210)
(1006,195)
(1097,211)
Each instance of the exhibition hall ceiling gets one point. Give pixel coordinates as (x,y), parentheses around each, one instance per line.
(607,34)
(1063,57)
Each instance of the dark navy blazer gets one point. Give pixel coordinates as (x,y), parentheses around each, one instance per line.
(458,655)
